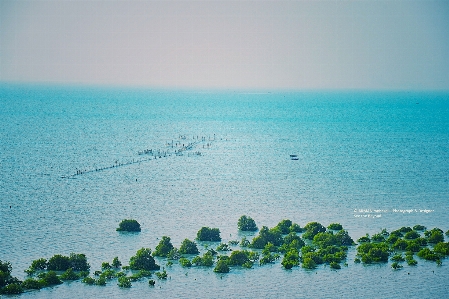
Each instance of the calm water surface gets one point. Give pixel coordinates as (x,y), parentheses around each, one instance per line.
(362,158)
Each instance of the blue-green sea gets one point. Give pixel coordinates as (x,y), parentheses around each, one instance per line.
(71,171)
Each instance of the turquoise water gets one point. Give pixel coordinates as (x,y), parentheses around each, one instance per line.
(368,160)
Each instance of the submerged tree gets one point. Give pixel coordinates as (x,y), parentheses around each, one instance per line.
(246,223)
(335,226)
(221,267)
(291,259)
(58,263)
(266,235)
(188,247)
(124,282)
(434,235)
(313,228)
(143,260)
(238,258)
(116,262)
(129,225)
(8,283)
(208,234)
(164,247)
(284,226)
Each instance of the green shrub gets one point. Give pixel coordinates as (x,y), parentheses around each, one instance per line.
(413,246)
(267,259)
(164,247)
(31,284)
(434,236)
(400,245)
(396,265)
(151,283)
(78,262)
(174,254)
(393,238)
(313,228)
(188,247)
(208,234)
(344,238)
(124,282)
(246,223)
(378,238)
(373,252)
(291,241)
(221,267)
(238,258)
(143,260)
(384,232)
(325,239)
(136,276)
(335,226)
(269,248)
(162,275)
(105,266)
(116,263)
(69,275)
(315,256)
(58,263)
(405,229)
(419,227)
(441,248)
(411,235)
(421,241)
(206,260)
(185,262)
(49,278)
(248,265)
(412,262)
(266,236)
(11,289)
(364,239)
(295,228)
(284,226)
(39,264)
(308,263)
(101,281)
(223,247)
(5,273)
(397,258)
(89,280)
(335,265)
(428,254)
(244,242)
(109,274)
(129,225)
(397,233)
(291,259)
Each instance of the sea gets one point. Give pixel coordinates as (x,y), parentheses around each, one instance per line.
(76,160)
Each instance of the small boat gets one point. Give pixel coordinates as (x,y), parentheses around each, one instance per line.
(294,157)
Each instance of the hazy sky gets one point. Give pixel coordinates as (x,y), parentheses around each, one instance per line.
(228,44)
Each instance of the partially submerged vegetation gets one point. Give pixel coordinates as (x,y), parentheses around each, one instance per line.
(287,242)
(129,225)
(429,246)
(246,223)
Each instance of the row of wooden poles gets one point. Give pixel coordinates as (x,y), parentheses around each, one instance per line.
(179,148)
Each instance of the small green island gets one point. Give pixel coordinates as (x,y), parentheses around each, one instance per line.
(287,244)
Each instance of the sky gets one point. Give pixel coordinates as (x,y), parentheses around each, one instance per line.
(300,45)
